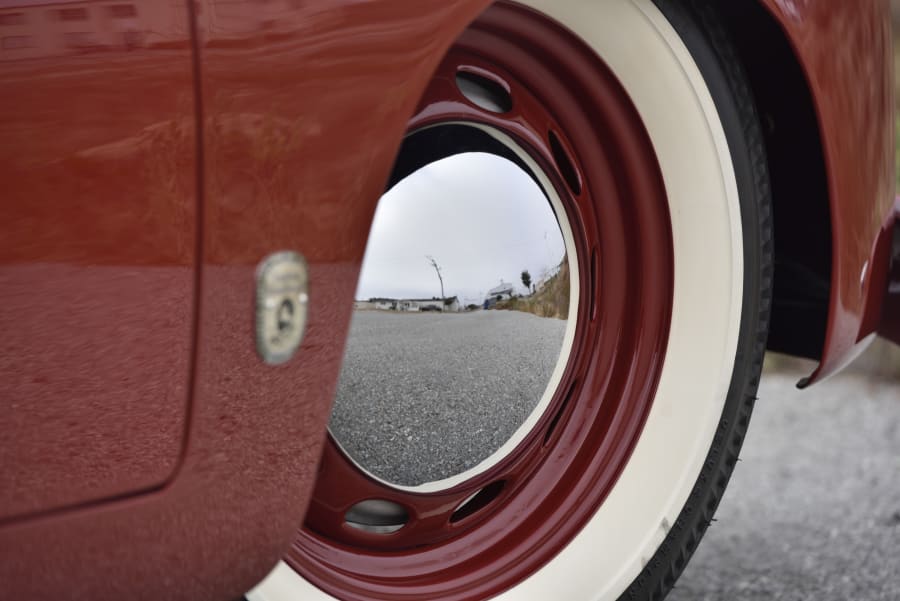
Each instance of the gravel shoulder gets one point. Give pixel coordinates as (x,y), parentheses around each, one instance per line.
(813,508)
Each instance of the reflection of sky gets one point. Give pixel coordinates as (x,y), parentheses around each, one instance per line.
(480,216)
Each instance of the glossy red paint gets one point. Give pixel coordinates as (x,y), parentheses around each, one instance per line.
(97,256)
(560,473)
(292,122)
(302,113)
(856,125)
(890,319)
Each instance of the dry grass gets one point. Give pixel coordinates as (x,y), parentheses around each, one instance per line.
(551,300)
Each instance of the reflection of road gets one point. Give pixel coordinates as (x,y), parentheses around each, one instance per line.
(813,509)
(425,396)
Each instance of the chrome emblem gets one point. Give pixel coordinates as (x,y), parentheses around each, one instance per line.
(281,304)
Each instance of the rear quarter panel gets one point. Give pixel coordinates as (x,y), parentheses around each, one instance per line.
(845,49)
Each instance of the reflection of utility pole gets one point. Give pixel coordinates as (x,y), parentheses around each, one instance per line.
(437,269)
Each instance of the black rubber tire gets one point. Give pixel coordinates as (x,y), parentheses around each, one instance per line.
(702,32)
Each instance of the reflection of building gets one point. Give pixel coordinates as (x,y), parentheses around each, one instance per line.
(385,304)
(38,28)
(224,21)
(446,305)
(502,292)
(450,304)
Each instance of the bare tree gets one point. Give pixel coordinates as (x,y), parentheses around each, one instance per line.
(437,270)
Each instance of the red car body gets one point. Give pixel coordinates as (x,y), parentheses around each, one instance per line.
(152,158)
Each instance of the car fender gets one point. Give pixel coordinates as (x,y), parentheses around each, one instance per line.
(856,129)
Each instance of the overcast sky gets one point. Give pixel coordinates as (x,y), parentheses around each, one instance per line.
(480,216)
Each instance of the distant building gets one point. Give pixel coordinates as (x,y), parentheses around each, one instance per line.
(384,304)
(445,305)
(499,293)
(409,304)
(381,304)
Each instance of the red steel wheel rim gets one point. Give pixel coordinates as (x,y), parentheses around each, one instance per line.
(574,119)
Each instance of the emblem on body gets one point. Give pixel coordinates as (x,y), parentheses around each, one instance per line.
(282,284)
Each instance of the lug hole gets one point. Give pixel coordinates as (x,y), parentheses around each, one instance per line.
(377,516)
(483,92)
(478,501)
(564,164)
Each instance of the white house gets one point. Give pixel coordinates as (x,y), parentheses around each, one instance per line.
(385,304)
(445,305)
(452,305)
(502,292)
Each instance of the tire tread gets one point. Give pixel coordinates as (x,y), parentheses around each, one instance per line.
(699,17)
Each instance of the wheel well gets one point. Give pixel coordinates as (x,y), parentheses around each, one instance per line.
(798,176)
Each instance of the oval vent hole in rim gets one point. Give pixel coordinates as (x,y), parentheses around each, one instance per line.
(377,516)
(483,92)
(564,164)
(478,501)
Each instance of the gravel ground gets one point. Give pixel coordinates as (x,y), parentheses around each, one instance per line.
(424,396)
(813,508)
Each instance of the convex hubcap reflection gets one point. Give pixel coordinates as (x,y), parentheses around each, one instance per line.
(459,326)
